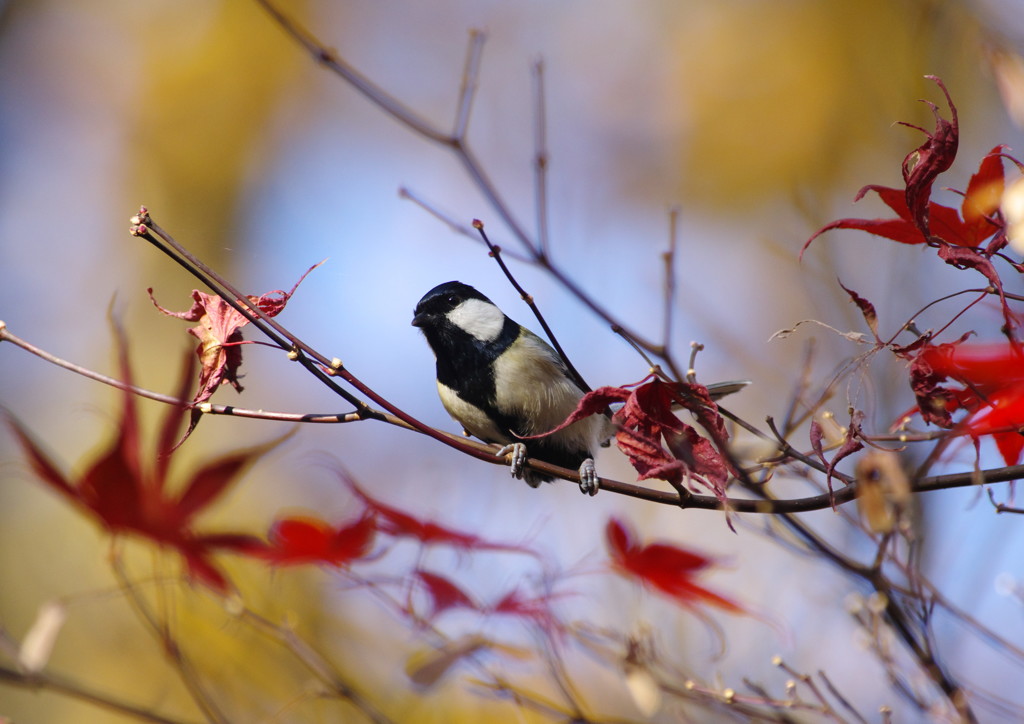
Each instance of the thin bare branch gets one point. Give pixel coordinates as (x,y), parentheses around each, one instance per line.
(374,93)
(457,226)
(467,90)
(53,682)
(528,298)
(540,159)
(669,260)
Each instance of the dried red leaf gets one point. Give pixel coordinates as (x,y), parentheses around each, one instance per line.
(657,443)
(923,165)
(665,567)
(816,435)
(851,444)
(219,331)
(919,219)
(867,310)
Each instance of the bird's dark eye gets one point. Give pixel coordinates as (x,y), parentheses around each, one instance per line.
(453,299)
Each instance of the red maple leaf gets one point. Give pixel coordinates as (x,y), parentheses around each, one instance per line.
(918,218)
(957,235)
(126,490)
(992,392)
(977,220)
(219,331)
(301,540)
(665,567)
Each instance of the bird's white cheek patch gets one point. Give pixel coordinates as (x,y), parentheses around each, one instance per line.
(478,318)
(471,417)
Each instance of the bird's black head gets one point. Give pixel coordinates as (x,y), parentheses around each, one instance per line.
(435,305)
(458,322)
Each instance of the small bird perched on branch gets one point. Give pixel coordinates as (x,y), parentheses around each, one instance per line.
(503,383)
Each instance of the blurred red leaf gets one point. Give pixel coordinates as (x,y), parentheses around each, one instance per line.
(398,523)
(443,594)
(665,567)
(536,609)
(125,496)
(302,540)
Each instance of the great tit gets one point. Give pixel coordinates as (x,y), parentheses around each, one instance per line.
(503,383)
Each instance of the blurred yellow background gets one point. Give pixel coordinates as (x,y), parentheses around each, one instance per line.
(760,120)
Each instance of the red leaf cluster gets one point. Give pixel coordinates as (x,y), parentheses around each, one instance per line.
(992,392)
(125,488)
(957,234)
(664,567)
(657,443)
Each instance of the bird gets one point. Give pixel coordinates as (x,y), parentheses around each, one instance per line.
(503,383)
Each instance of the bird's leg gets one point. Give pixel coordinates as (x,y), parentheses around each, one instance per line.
(517,463)
(589,482)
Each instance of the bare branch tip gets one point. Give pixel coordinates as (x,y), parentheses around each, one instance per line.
(478,225)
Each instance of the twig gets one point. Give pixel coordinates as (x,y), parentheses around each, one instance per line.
(315,662)
(374,93)
(669,259)
(485,452)
(528,298)
(170,646)
(540,162)
(455,225)
(470,73)
(802,385)
(60,685)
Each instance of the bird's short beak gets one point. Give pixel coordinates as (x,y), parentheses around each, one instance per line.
(419,320)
